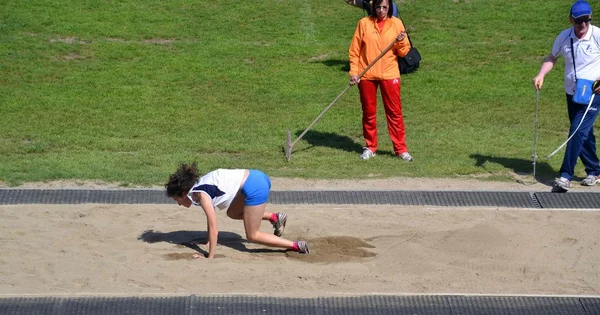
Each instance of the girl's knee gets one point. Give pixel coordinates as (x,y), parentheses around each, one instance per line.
(252,237)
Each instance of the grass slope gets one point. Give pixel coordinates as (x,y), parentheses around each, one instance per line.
(125,90)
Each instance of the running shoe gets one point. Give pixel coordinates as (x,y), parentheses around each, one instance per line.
(366,154)
(303,247)
(561,185)
(279,225)
(591,180)
(405,156)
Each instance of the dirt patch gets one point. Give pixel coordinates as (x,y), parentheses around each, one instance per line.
(68,40)
(70,57)
(160,41)
(320,57)
(335,249)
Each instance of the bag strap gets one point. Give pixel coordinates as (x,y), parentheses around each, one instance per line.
(573,55)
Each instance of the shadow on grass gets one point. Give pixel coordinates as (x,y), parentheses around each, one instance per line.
(544,173)
(330,140)
(191,239)
(344,65)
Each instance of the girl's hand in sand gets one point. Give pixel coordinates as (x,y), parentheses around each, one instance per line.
(198,256)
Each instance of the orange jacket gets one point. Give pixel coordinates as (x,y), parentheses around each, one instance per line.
(368,42)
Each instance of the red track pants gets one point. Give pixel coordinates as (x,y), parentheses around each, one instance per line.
(390,94)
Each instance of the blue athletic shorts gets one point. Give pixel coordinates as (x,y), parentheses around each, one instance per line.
(256,188)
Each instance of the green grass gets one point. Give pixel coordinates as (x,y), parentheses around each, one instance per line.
(123,91)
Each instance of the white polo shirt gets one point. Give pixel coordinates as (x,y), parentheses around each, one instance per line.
(221,185)
(587,55)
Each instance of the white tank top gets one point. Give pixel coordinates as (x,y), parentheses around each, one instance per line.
(221,185)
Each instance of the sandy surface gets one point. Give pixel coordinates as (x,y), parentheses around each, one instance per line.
(125,249)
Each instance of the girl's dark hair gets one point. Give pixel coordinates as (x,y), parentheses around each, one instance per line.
(183,180)
(376,3)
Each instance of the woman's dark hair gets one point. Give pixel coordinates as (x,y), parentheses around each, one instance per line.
(183,180)
(376,3)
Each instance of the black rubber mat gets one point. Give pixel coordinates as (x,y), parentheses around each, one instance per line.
(501,305)
(78,196)
(479,198)
(513,199)
(591,306)
(572,200)
(347,197)
(432,305)
(359,305)
(93,305)
(430,198)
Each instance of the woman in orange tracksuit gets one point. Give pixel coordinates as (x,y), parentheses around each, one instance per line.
(373,33)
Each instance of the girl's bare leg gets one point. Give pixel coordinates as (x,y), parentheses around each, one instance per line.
(236,209)
(252,216)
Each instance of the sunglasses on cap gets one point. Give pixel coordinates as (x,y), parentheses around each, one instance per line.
(581,20)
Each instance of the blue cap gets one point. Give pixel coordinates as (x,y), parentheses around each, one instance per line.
(580,8)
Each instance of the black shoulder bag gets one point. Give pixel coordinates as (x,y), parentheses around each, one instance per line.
(410,62)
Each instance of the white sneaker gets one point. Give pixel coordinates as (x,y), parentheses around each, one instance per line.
(561,185)
(591,180)
(366,154)
(406,157)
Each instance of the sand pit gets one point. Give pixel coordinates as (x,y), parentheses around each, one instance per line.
(147,249)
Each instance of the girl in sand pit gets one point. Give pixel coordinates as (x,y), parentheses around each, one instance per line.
(244,193)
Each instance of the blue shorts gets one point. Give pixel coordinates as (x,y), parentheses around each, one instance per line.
(256,188)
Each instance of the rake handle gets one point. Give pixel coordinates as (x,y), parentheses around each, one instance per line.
(345,90)
(535,130)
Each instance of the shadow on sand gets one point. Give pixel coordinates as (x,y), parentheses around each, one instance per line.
(191,239)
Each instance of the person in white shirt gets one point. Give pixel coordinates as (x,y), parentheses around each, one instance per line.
(242,193)
(579,45)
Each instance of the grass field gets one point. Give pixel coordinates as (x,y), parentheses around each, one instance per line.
(122,91)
